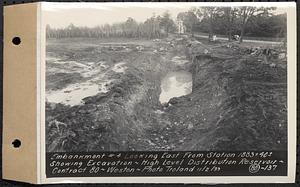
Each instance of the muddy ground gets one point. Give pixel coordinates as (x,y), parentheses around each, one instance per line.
(238,99)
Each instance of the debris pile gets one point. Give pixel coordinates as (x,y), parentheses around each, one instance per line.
(274,53)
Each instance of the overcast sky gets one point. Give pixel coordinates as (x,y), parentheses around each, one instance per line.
(93,14)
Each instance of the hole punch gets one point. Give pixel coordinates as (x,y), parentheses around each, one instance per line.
(16,40)
(16,143)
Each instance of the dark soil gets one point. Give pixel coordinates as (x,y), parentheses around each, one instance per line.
(238,100)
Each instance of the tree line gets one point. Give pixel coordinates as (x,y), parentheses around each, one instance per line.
(229,21)
(154,27)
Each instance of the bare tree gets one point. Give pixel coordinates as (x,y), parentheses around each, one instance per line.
(246,13)
(209,13)
(189,20)
(167,23)
(230,15)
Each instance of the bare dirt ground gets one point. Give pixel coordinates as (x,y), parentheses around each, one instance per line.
(104,95)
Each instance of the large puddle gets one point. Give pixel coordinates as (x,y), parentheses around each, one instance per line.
(94,72)
(175,84)
(73,94)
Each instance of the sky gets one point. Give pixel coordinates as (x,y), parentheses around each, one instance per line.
(59,15)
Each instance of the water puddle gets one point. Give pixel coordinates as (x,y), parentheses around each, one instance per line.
(73,94)
(175,84)
(94,73)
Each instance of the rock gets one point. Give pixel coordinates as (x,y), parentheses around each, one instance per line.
(116,94)
(173,101)
(177,100)
(93,99)
(150,143)
(119,90)
(82,111)
(190,126)
(162,49)
(52,106)
(165,105)
(140,48)
(281,56)
(272,65)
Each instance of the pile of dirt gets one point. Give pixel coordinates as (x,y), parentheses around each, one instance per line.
(102,123)
(236,104)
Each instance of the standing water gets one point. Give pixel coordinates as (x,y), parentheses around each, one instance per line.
(93,72)
(74,93)
(175,84)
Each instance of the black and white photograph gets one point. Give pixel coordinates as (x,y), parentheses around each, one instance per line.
(166,78)
(193,78)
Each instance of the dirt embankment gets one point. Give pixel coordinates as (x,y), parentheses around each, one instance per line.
(114,120)
(238,102)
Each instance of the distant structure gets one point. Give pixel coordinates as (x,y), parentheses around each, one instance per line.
(180,27)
